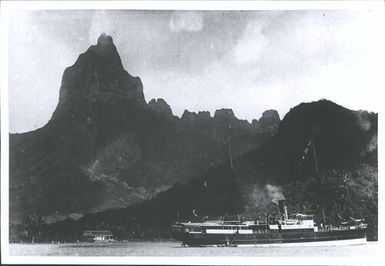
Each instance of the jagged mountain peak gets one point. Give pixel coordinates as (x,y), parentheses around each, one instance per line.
(224,113)
(105,40)
(160,106)
(103,51)
(115,149)
(270,114)
(98,78)
(105,47)
(187,115)
(269,121)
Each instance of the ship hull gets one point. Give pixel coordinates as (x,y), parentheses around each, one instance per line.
(332,237)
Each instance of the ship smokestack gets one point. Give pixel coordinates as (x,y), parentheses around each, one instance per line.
(282,208)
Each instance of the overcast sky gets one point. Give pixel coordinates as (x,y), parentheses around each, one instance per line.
(249,61)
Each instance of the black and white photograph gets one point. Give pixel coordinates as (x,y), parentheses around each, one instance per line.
(214,132)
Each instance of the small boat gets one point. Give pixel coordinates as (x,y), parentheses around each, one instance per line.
(98,236)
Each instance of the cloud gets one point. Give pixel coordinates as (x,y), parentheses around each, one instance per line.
(247,61)
(252,45)
(186,21)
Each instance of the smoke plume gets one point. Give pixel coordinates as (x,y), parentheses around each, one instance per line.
(274,193)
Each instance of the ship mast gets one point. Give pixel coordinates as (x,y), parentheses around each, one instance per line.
(315,156)
(316,171)
(230,155)
(229,144)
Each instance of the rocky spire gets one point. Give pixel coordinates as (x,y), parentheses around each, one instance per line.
(98,79)
(160,106)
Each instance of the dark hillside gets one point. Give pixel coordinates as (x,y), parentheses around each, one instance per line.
(344,186)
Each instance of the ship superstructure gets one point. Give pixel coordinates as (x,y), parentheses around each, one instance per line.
(296,229)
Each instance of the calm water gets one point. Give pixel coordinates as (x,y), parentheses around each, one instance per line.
(175,249)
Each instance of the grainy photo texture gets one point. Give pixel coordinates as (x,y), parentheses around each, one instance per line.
(194,132)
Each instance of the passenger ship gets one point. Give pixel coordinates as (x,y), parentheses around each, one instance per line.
(299,229)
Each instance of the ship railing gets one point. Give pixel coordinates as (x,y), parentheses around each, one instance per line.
(334,227)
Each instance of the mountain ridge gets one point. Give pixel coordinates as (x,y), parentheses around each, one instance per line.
(105,147)
(247,187)
(125,163)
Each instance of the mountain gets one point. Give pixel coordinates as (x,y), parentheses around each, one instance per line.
(323,156)
(105,147)
(344,183)
(340,137)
